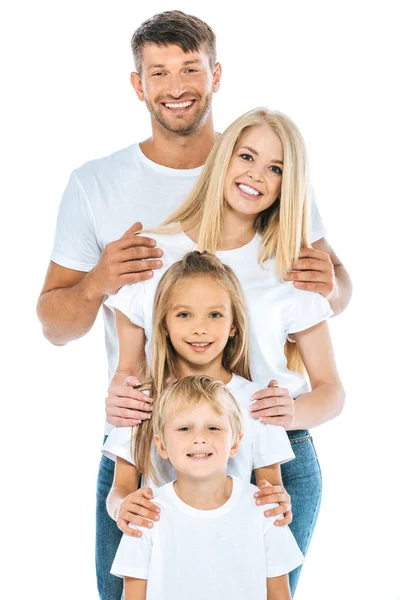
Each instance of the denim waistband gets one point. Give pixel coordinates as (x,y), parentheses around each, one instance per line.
(298,433)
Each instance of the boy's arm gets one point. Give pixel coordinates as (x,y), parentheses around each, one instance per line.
(135,589)
(278,588)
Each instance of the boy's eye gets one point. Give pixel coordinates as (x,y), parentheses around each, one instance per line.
(183,315)
(215,315)
(183,429)
(213,428)
(276,169)
(246,157)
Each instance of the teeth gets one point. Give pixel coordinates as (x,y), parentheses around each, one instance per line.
(199,455)
(180,105)
(249,190)
(200,345)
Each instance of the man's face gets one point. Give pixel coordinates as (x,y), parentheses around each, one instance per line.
(176,86)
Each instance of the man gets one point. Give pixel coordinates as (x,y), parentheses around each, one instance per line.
(96,250)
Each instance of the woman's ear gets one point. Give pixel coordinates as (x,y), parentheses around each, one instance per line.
(160,447)
(235,447)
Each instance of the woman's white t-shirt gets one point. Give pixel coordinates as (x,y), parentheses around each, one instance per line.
(221,554)
(275,308)
(262,445)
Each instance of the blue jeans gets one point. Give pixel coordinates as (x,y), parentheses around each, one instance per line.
(107,536)
(302,480)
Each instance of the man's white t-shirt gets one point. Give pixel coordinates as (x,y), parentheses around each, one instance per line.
(262,444)
(105,197)
(275,308)
(221,554)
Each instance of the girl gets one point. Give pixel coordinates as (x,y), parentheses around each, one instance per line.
(250,206)
(198,325)
(193,552)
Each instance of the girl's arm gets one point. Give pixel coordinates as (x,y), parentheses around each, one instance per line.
(125,503)
(135,589)
(326,400)
(271,490)
(278,588)
(126,406)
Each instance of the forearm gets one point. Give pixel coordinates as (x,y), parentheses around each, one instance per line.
(116,496)
(341,295)
(323,403)
(68,313)
(278,588)
(272,474)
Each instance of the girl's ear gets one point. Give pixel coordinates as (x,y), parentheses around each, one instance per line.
(160,447)
(235,447)
(232,332)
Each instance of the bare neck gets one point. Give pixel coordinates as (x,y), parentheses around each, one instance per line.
(213,369)
(204,494)
(180,151)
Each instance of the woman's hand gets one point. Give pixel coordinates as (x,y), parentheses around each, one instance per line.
(268,494)
(137,508)
(127,406)
(273,405)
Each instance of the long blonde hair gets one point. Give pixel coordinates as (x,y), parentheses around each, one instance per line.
(284,225)
(163,364)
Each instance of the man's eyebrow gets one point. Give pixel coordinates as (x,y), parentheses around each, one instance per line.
(279,162)
(194,61)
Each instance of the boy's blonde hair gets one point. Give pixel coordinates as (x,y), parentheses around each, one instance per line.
(193,391)
(163,366)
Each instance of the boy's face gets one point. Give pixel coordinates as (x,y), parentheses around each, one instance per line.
(198,442)
(176,86)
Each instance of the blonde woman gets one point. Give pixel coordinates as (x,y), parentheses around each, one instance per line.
(250,206)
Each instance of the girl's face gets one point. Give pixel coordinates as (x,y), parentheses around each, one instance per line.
(199,322)
(254,176)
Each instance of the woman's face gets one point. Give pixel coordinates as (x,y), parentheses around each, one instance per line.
(254,176)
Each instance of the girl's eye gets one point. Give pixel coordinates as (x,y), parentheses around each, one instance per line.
(215,315)
(246,157)
(276,169)
(183,315)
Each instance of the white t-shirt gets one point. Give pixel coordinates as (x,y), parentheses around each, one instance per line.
(276,308)
(262,445)
(105,197)
(221,554)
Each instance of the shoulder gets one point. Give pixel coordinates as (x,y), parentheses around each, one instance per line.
(105,166)
(241,387)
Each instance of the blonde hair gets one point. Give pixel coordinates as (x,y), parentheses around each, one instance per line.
(192,391)
(284,225)
(163,359)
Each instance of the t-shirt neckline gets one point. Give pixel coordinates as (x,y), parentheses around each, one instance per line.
(165,170)
(255,240)
(207,514)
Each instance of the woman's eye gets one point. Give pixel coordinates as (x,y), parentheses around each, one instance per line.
(276,169)
(246,157)
(183,315)
(215,315)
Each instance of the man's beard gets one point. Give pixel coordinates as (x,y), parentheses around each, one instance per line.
(182,128)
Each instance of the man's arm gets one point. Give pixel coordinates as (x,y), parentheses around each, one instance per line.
(319,269)
(70,300)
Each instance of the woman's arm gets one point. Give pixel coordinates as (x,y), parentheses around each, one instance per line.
(135,589)
(326,400)
(126,406)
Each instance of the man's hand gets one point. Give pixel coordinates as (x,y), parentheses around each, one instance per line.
(127,406)
(273,405)
(124,261)
(314,272)
(269,494)
(137,508)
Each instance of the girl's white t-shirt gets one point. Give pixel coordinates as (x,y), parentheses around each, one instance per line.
(262,445)
(221,554)
(275,308)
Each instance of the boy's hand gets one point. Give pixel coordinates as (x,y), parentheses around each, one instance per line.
(268,494)
(273,405)
(138,509)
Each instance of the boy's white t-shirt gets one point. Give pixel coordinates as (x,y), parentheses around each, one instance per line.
(221,554)
(275,308)
(262,445)
(105,197)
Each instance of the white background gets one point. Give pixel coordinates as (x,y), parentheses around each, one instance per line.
(331,66)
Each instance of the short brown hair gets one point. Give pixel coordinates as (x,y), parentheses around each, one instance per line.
(190,33)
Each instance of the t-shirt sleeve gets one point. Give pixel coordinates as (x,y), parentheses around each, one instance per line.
(308,309)
(282,553)
(75,240)
(133,555)
(318,230)
(120,442)
(131,300)
(270,445)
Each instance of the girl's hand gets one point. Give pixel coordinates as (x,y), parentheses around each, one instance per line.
(273,405)
(126,406)
(137,508)
(269,494)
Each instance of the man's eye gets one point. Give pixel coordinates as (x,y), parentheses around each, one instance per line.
(246,157)
(183,315)
(276,169)
(215,315)
(157,74)
(192,71)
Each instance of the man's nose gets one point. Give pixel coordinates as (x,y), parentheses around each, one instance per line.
(177,85)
